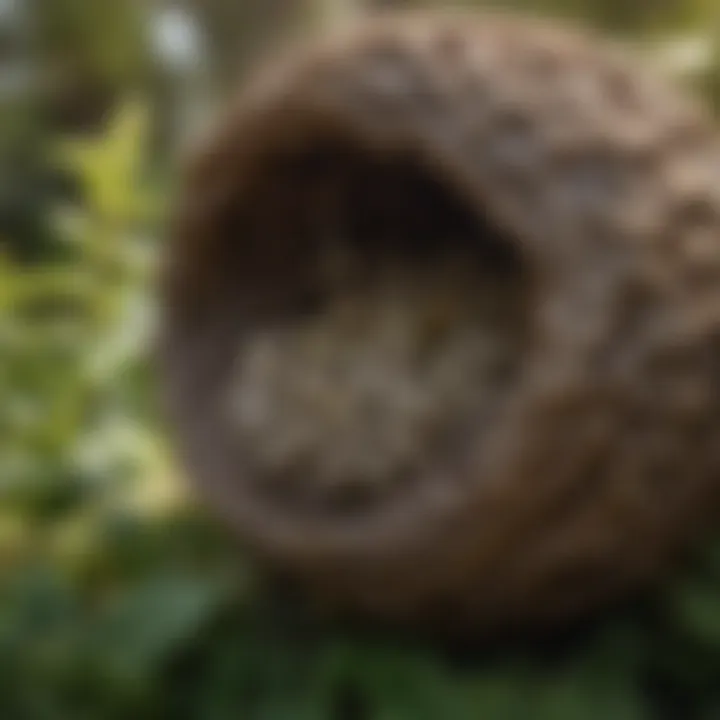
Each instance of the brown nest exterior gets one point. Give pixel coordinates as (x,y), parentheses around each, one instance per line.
(442,330)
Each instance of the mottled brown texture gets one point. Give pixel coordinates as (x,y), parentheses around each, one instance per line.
(578,175)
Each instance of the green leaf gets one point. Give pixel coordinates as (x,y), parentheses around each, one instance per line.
(695,606)
(149,624)
(402,684)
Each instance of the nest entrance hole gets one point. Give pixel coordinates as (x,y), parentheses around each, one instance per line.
(383,322)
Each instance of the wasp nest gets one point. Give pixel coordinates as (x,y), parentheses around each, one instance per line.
(443,320)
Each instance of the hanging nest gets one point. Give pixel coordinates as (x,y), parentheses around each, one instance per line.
(442,330)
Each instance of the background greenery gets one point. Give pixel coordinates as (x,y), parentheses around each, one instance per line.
(118,598)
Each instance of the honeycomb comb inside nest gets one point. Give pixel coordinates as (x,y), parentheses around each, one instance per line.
(443,320)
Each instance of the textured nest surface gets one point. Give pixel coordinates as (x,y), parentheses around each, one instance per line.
(442,336)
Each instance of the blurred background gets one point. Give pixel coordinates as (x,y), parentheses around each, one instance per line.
(118,597)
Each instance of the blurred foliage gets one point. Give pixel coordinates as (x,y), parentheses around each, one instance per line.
(100,36)
(88,51)
(120,600)
(623,16)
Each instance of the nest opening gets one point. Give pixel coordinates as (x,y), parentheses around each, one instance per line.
(381,320)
